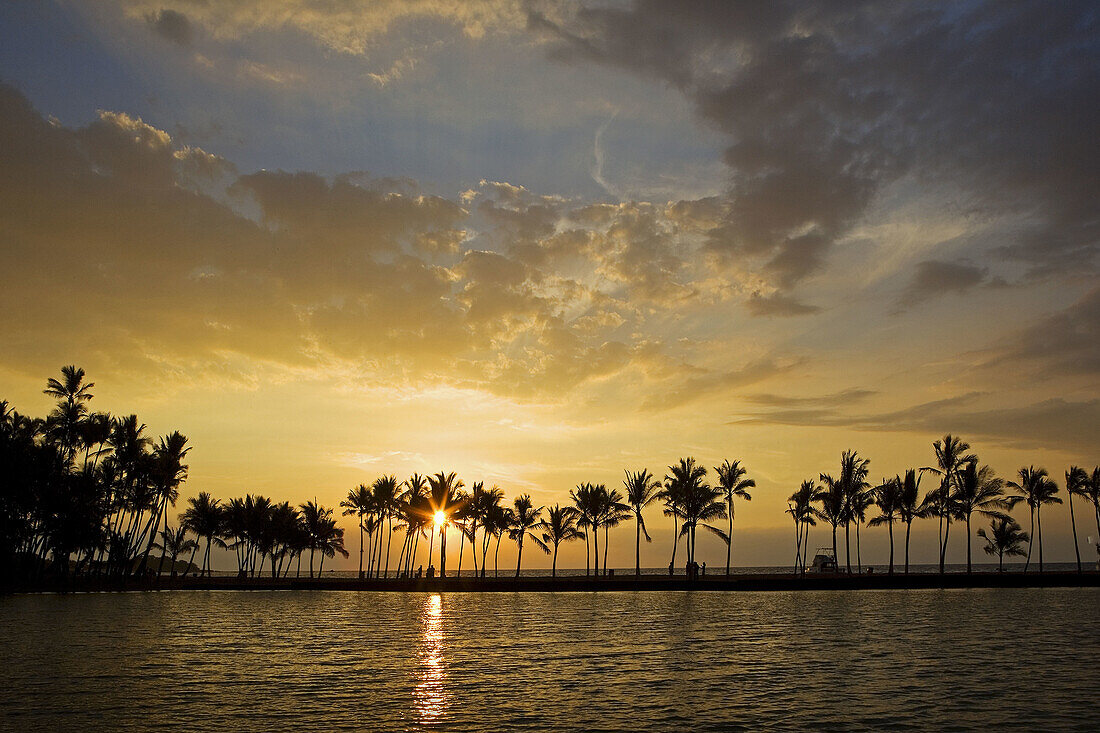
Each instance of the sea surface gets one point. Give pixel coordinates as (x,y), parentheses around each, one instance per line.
(616,661)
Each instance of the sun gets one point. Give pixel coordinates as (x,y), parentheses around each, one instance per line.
(440,519)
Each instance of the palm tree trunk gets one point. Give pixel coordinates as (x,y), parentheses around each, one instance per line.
(587,560)
(1031,542)
(461,546)
(431,545)
(890,528)
(946,535)
(596,547)
(908,529)
(729,537)
(797,544)
(859,556)
(637,546)
(606,544)
(1073,525)
(805,544)
(554,565)
(968,543)
(834,548)
(675,541)
(360,546)
(389,539)
(1039,523)
(519,555)
(191,561)
(848,546)
(496,556)
(443,551)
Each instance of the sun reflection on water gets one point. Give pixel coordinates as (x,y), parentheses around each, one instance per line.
(431,692)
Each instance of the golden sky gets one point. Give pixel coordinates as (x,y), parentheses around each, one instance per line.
(539,243)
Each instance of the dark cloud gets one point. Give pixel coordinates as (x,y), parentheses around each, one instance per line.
(1065,344)
(827,103)
(844,398)
(932,278)
(172,26)
(1047,422)
(778,304)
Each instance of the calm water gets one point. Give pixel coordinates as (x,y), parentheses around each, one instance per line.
(300,660)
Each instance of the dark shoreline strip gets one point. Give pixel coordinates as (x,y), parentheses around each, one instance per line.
(1064,579)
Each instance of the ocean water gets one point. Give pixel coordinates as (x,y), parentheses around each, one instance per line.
(312,660)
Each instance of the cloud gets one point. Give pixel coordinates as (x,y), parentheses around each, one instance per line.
(1054,421)
(827,104)
(172,26)
(933,278)
(778,304)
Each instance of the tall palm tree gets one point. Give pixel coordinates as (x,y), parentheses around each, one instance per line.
(612,511)
(1094,496)
(800,507)
(732,482)
(1005,539)
(173,542)
(385,490)
(314,519)
(951,458)
(642,489)
(909,505)
(1077,484)
(559,526)
(487,510)
(887,497)
(834,505)
(525,517)
(698,502)
(853,482)
(167,474)
(445,501)
(980,491)
(1037,489)
(358,503)
(204,517)
(586,500)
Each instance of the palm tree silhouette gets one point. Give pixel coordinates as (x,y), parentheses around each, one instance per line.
(799,506)
(1077,484)
(853,482)
(385,491)
(358,503)
(698,501)
(888,497)
(559,526)
(642,489)
(834,505)
(909,505)
(1005,539)
(733,484)
(586,500)
(1036,489)
(445,500)
(612,512)
(204,517)
(524,518)
(980,491)
(951,457)
(173,542)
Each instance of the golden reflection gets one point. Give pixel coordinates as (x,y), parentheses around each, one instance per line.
(431,693)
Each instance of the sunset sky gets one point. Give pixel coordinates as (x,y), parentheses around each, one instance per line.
(540,243)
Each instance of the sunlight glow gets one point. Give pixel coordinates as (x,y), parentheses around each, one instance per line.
(440,519)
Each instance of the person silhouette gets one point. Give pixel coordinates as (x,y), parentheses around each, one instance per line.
(419,570)
(431,571)
(704,567)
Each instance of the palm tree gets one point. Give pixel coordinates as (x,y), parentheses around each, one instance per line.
(1077,484)
(799,506)
(834,506)
(612,511)
(1005,540)
(853,482)
(586,500)
(698,502)
(385,492)
(417,515)
(951,457)
(445,501)
(314,520)
(168,472)
(559,526)
(859,503)
(909,505)
(173,542)
(487,512)
(642,489)
(524,518)
(1094,496)
(1036,489)
(358,503)
(204,517)
(980,491)
(733,484)
(887,497)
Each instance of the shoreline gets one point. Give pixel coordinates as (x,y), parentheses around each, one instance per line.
(743,582)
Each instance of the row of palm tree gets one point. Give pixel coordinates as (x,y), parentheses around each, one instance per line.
(964,489)
(84,485)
